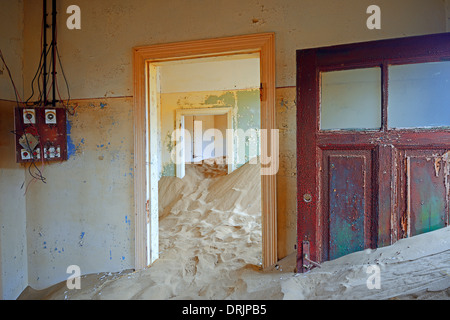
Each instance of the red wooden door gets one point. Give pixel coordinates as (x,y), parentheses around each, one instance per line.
(373,135)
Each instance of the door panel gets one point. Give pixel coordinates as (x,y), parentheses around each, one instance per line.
(347,201)
(425,205)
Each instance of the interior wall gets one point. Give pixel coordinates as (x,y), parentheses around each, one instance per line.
(13,240)
(13,246)
(11,44)
(198,145)
(207,123)
(83,215)
(220,123)
(286,113)
(98,64)
(98,58)
(188,144)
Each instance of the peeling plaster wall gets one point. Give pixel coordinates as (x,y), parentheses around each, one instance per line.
(98,58)
(84,214)
(286,111)
(13,240)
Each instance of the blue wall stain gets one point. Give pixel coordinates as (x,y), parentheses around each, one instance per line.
(71,149)
(82,235)
(110,255)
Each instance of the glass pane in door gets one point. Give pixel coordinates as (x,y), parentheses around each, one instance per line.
(351,99)
(419,95)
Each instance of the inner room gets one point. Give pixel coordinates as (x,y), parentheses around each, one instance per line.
(196,149)
(210,202)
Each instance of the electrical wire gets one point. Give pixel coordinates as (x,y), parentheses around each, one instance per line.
(18,99)
(39,72)
(43,92)
(65,105)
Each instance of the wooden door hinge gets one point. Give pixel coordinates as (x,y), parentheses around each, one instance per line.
(262,92)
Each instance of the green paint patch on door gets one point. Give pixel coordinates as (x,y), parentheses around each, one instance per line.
(426,197)
(346,205)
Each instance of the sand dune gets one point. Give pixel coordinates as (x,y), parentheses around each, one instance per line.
(412,268)
(210,248)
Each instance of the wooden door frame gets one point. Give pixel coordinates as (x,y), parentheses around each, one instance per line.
(180,113)
(311,142)
(264,44)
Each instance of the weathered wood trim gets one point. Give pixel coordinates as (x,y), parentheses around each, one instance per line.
(388,144)
(140,198)
(264,44)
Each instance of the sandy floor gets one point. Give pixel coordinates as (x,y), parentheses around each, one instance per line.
(210,248)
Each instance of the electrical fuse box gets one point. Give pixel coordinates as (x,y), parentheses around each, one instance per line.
(40,134)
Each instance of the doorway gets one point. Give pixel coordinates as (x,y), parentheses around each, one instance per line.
(374,140)
(146,133)
(196,145)
(197,123)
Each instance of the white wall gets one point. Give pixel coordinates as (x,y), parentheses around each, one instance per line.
(13,245)
(11,44)
(220,123)
(13,239)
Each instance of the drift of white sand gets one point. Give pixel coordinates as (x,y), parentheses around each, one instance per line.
(412,268)
(210,248)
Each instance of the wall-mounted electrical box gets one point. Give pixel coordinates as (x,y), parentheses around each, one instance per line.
(40,133)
